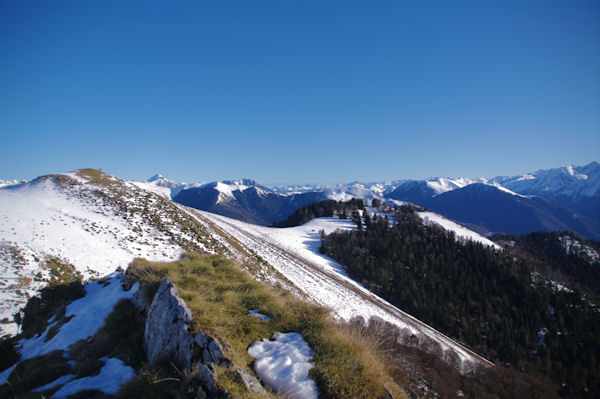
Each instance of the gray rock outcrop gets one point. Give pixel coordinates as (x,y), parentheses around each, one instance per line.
(166,334)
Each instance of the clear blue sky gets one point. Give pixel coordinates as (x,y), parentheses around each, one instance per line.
(298,91)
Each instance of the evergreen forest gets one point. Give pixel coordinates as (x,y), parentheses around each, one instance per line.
(486,299)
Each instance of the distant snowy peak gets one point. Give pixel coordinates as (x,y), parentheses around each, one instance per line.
(160,185)
(156,177)
(161,181)
(443,184)
(227,188)
(342,192)
(296,188)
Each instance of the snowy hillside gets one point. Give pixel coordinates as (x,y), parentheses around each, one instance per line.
(85,223)
(461,232)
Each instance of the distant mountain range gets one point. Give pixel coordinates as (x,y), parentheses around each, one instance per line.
(245,200)
(566,198)
(577,188)
(554,199)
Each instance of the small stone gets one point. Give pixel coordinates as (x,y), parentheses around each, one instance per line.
(248,381)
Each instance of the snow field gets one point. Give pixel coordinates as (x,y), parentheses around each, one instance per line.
(459,230)
(87,316)
(112,376)
(43,218)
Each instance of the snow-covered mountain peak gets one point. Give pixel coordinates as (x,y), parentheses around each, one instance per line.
(240,182)
(157,176)
(442,185)
(227,188)
(161,181)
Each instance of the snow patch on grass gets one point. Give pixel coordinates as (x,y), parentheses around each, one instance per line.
(254,312)
(283,364)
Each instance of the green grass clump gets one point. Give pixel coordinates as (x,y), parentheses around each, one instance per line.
(220,296)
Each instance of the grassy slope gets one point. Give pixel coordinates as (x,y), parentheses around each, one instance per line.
(220,296)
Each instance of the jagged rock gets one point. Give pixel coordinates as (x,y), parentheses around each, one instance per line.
(166,334)
(250,382)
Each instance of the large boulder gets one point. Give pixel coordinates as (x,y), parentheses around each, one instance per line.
(166,334)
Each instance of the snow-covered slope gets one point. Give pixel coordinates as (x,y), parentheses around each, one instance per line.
(460,231)
(83,222)
(293,252)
